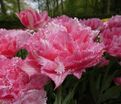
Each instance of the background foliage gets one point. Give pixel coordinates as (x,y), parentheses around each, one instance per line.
(73,8)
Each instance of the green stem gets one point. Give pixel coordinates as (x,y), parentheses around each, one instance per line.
(58,99)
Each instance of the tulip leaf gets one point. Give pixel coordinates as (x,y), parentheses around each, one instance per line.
(111,93)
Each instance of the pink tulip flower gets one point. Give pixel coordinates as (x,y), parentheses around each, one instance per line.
(33,19)
(94,23)
(32,97)
(64,47)
(115,21)
(112,41)
(11,41)
(117,80)
(17,85)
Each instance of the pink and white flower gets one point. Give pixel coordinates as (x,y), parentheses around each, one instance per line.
(32,97)
(64,46)
(16,85)
(115,21)
(12,78)
(33,19)
(94,23)
(112,41)
(11,41)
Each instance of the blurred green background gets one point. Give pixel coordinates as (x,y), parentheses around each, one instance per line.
(73,8)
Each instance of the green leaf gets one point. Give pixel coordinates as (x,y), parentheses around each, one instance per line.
(69,97)
(98,82)
(22,53)
(111,93)
(93,89)
(107,82)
